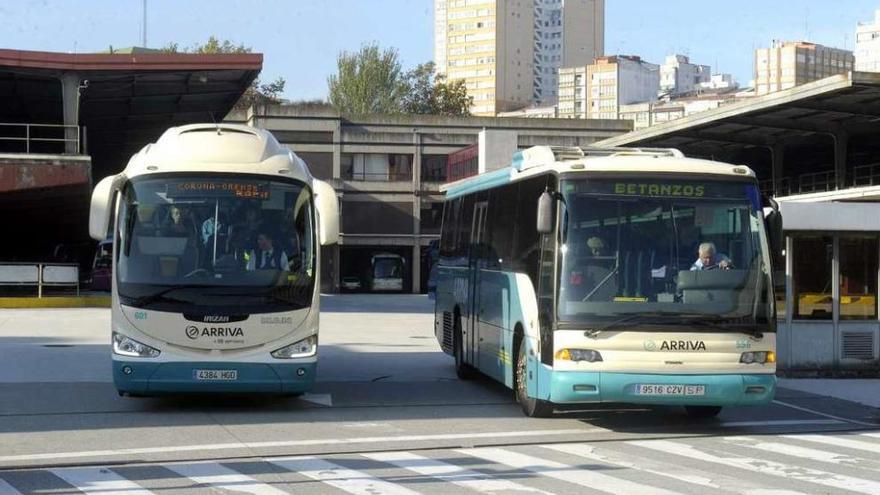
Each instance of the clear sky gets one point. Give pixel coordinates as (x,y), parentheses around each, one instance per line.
(301,38)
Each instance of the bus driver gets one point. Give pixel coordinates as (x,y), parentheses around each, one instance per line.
(710,259)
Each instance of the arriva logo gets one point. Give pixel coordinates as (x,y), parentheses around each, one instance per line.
(195,332)
(650,345)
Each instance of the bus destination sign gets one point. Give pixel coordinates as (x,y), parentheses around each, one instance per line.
(218,188)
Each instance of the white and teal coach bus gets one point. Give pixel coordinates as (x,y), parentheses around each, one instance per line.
(581,275)
(215,285)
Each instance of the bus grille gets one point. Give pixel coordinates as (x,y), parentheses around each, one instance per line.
(448,327)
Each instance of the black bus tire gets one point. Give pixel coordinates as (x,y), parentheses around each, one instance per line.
(532,407)
(463,370)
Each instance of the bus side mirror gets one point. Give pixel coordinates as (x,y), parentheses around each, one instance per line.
(328,212)
(100,209)
(546,210)
(773,221)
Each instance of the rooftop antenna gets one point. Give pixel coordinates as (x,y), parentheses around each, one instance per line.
(144,38)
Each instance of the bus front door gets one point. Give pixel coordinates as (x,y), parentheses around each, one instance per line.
(475,264)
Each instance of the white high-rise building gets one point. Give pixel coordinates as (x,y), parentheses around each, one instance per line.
(678,75)
(868,45)
(509,51)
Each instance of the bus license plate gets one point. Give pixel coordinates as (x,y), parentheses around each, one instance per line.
(218,375)
(671,390)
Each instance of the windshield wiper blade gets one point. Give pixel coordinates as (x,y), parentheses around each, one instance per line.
(161,294)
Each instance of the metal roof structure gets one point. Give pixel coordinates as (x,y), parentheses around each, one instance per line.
(815,128)
(130,99)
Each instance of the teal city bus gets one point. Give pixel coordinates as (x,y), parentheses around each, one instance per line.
(572,277)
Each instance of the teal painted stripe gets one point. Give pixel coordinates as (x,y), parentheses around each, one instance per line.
(480,182)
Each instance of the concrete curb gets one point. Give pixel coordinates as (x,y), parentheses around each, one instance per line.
(55,302)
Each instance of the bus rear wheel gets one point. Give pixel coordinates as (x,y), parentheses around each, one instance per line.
(702,411)
(532,407)
(463,370)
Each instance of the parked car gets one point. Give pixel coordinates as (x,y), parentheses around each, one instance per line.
(351,283)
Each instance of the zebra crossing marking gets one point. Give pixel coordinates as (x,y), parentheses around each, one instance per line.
(349,480)
(565,472)
(99,480)
(762,466)
(218,476)
(450,473)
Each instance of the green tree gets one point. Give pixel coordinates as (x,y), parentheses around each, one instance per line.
(367,81)
(258,93)
(427,92)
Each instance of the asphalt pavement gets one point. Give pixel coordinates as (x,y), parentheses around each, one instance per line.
(389,416)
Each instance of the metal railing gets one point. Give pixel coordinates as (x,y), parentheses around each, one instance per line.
(39,275)
(817,182)
(866,175)
(31,136)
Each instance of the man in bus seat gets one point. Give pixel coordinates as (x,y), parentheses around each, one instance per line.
(710,259)
(266,256)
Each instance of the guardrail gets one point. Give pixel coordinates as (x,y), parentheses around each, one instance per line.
(31,135)
(40,275)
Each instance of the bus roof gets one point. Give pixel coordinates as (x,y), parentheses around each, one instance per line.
(217,148)
(539,160)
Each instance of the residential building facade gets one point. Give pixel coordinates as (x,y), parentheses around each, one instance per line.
(619,80)
(868,45)
(678,75)
(508,52)
(787,64)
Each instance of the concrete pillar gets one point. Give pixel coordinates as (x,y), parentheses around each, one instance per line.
(417,212)
(70,101)
(777,166)
(337,151)
(841,142)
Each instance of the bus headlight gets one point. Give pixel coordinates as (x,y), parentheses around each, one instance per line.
(127,346)
(588,355)
(304,348)
(758,357)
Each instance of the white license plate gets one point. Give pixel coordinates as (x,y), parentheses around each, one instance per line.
(647,389)
(219,375)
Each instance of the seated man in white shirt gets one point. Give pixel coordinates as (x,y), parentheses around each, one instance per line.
(710,259)
(266,256)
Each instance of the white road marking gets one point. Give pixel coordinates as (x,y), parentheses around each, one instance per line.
(99,480)
(349,480)
(7,489)
(839,442)
(320,399)
(819,413)
(215,475)
(798,451)
(589,452)
(295,443)
(762,466)
(450,473)
(583,477)
(782,422)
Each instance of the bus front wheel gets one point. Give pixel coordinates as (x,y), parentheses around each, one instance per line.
(702,411)
(463,370)
(532,407)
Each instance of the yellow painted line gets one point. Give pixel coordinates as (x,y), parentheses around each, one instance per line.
(55,302)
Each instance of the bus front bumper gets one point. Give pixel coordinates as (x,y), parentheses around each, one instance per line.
(142,377)
(572,387)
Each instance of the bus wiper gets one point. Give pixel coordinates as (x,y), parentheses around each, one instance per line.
(593,332)
(161,294)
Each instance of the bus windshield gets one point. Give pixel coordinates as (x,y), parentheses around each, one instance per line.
(662,251)
(232,243)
